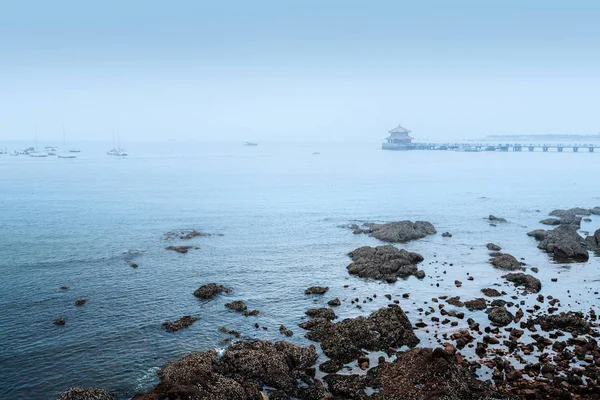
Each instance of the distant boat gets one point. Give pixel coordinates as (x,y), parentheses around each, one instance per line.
(250,144)
(74,151)
(3,151)
(69,156)
(117,150)
(38,154)
(14,153)
(316,153)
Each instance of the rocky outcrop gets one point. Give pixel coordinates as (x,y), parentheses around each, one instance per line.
(531,283)
(568,219)
(326,313)
(316,290)
(386,263)
(500,316)
(507,262)
(86,394)
(563,242)
(565,321)
(210,290)
(181,323)
(476,304)
(490,292)
(570,212)
(593,241)
(344,341)
(426,374)
(595,210)
(398,232)
(242,372)
(237,305)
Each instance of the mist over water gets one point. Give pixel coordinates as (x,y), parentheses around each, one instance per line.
(279,208)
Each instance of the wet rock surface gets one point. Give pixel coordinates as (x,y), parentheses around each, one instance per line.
(181,323)
(345,340)
(398,232)
(316,290)
(386,263)
(180,249)
(530,283)
(500,316)
(242,372)
(86,394)
(563,243)
(507,262)
(424,374)
(593,241)
(237,305)
(494,219)
(210,290)
(493,247)
(491,292)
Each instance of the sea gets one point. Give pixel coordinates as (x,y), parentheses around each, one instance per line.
(278,215)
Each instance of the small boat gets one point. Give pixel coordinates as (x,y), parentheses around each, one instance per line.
(117,150)
(66,155)
(74,151)
(3,151)
(316,153)
(14,153)
(38,154)
(251,144)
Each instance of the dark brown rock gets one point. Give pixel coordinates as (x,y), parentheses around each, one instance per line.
(316,290)
(210,290)
(181,323)
(86,394)
(383,263)
(507,262)
(531,283)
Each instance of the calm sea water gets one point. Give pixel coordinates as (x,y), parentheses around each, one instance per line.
(279,207)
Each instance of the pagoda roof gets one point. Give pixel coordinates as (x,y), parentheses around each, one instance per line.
(399,129)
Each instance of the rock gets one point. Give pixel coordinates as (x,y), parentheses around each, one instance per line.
(86,394)
(500,316)
(59,321)
(570,212)
(344,341)
(476,304)
(346,386)
(133,265)
(563,242)
(507,262)
(531,284)
(493,218)
(316,290)
(385,263)
(427,374)
(285,331)
(179,249)
(447,234)
(593,242)
(326,313)
(210,290)
(400,232)
(242,372)
(63,288)
(493,247)
(550,221)
(251,313)
(334,303)
(565,321)
(491,292)
(80,302)
(185,234)
(181,323)
(595,210)
(237,305)
(331,366)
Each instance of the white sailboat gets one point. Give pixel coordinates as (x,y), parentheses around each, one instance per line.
(117,151)
(66,155)
(35,153)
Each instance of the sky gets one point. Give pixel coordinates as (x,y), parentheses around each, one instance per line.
(297,70)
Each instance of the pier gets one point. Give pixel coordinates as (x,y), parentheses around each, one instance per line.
(471,147)
(399,139)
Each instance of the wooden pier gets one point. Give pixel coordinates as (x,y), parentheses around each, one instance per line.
(476,147)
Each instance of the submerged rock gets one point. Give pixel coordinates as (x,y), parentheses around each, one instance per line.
(242,372)
(59,321)
(386,263)
(185,234)
(507,262)
(344,341)
(80,302)
(210,290)
(180,249)
(181,323)
(493,247)
(316,290)
(493,218)
(399,232)
(86,394)
(563,242)
(531,283)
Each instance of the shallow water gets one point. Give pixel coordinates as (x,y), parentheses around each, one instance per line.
(69,222)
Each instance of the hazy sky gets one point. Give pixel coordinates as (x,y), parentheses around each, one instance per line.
(298,69)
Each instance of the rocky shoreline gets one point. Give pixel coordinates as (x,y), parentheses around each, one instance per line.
(523,351)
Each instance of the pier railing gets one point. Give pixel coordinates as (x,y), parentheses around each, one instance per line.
(589,147)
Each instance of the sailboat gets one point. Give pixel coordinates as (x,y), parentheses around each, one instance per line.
(5,151)
(117,151)
(34,152)
(65,147)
